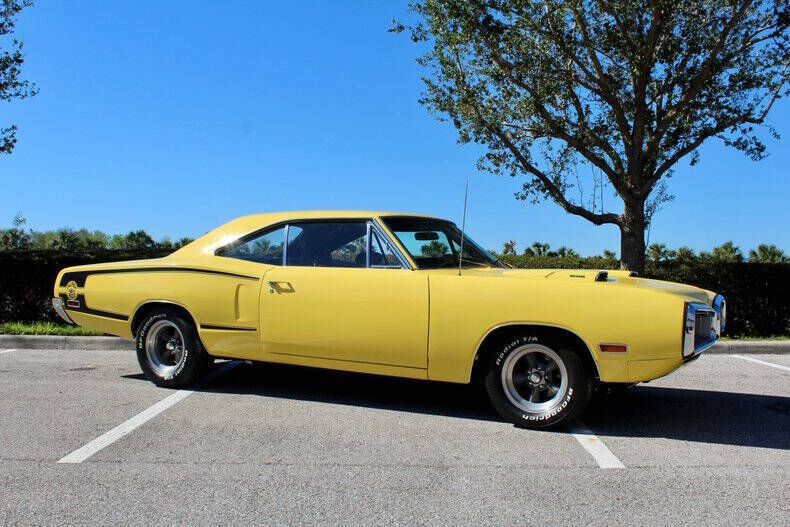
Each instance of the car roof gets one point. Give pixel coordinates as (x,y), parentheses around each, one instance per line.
(243,225)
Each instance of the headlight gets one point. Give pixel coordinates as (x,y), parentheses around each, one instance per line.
(720,305)
(700,329)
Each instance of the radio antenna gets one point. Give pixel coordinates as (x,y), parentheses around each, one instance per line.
(463,229)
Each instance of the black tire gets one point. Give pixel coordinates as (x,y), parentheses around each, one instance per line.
(526,361)
(184,364)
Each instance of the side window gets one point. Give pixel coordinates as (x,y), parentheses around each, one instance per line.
(262,248)
(381,255)
(327,244)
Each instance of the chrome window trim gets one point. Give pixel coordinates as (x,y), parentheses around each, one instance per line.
(382,226)
(372,224)
(381,248)
(383,236)
(368,244)
(323,220)
(285,243)
(263,231)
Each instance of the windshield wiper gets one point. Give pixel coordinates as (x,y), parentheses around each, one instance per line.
(481,264)
(454,261)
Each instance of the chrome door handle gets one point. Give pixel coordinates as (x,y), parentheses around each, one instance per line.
(275,285)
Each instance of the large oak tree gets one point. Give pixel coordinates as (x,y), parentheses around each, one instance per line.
(586,96)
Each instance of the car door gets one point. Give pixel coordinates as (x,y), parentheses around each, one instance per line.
(344,294)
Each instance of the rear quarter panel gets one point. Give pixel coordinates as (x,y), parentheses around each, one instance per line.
(217,292)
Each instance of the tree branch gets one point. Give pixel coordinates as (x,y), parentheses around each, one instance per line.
(552,189)
(698,81)
(741,119)
(639,84)
(556,128)
(605,88)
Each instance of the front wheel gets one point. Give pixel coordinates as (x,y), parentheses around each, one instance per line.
(169,351)
(537,383)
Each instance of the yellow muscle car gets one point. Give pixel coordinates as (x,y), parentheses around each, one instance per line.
(393,294)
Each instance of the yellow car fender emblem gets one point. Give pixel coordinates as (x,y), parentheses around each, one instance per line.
(71,290)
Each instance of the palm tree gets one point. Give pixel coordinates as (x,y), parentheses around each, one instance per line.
(685,254)
(727,252)
(658,252)
(566,252)
(768,254)
(540,249)
(509,247)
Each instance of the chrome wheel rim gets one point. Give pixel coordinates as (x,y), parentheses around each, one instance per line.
(534,378)
(164,347)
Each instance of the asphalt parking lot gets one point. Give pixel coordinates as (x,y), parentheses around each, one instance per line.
(273,444)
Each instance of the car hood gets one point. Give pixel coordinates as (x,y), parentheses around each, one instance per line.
(615,278)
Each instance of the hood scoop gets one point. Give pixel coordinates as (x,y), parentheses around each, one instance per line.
(589,275)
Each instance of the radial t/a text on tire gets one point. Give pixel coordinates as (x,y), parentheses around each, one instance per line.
(168,350)
(537,382)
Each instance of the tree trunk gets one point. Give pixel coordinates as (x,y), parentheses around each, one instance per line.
(632,237)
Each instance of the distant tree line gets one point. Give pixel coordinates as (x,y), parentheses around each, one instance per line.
(17,238)
(659,252)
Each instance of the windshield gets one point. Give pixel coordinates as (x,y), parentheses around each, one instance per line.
(433,243)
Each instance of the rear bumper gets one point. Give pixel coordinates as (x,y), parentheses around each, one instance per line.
(57,304)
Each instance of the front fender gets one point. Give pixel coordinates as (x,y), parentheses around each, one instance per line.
(465,309)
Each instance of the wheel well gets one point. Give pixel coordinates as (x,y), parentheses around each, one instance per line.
(495,337)
(148,307)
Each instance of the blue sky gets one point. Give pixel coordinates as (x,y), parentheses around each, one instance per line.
(175,117)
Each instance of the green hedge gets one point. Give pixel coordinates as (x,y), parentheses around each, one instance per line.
(758,295)
(27,279)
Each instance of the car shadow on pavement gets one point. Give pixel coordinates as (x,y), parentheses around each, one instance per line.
(727,418)
(356,389)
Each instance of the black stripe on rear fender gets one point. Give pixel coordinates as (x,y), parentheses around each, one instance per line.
(226,328)
(80,276)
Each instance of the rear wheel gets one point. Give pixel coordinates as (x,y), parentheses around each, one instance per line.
(169,351)
(537,383)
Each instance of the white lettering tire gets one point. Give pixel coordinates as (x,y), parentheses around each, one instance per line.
(535,382)
(169,351)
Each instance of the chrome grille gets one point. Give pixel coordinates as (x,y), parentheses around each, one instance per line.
(699,329)
(703,328)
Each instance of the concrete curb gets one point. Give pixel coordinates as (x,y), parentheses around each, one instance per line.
(773,347)
(745,347)
(64,343)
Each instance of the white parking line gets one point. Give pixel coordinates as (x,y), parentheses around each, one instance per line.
(110,437)
(7,351)
(758,361)
(595,447)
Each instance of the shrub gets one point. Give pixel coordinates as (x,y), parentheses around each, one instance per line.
(758,294)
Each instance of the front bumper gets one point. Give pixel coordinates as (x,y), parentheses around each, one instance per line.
(702,327)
